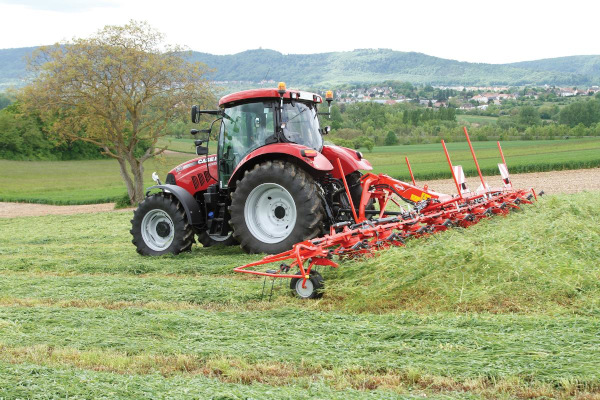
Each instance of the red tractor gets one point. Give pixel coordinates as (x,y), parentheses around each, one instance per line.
(272,184)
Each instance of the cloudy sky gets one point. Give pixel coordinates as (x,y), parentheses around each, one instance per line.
(494,31)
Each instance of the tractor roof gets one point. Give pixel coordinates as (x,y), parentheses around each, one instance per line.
(268,93)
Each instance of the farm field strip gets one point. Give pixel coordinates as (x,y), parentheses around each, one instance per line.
(449,271)
(108,289)
(462,346)
(73,182)
(86,182)
(33,380)
(507,308)
(430,163)
(81,243)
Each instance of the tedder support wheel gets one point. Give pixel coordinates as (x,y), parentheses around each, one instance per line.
(313,288)
(159,226)
(275,206)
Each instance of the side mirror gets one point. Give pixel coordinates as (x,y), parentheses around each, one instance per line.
(195,114)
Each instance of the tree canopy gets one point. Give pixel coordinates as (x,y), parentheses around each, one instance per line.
(117,89)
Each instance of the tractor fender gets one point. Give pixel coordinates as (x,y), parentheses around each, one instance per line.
(189,203)
(350,160)
(319,163)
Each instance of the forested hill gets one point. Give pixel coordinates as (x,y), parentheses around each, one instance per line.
(13,65)
(366,65)
(581,65)
(376,65)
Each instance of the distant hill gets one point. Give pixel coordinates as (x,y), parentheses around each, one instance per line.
(363,66)
(13,66)
(580,65)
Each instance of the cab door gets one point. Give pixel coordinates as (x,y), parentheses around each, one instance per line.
(244,128)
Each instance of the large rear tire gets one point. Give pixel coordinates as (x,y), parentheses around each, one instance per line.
(275,206)
(159,226)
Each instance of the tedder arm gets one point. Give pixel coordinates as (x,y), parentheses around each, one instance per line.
(430,213)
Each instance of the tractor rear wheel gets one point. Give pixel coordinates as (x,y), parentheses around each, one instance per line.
(275,206)
(159,226)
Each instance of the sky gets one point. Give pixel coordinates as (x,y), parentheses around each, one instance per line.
(490,31)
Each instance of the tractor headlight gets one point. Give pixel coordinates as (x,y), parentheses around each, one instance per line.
(155,178)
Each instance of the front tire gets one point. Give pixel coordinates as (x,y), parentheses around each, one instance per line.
(159,226)
(275,206)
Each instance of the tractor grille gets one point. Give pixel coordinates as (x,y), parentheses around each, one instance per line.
(201,178)
(207,176)
(195,182)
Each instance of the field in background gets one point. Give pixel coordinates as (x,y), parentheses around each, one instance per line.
(476,119)
(507,308)
(73,182)
(85,182)
(185,145)
(429,162)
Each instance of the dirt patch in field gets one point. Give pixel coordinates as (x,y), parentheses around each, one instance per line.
(13,210)
(572,181)
(553,182)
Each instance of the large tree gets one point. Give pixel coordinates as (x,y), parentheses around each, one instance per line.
(117,89)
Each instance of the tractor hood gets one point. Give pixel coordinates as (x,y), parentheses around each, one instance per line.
(195,175)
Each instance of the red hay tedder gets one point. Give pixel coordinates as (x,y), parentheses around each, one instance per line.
(274,187)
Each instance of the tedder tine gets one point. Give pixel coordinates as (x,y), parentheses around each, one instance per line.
(484,186)
(412,177)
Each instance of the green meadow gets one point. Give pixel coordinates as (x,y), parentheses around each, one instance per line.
(97,181)
(508,308)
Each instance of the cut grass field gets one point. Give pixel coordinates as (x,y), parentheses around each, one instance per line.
(508,308)
(86,182)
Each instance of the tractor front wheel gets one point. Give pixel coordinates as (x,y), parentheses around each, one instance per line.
(275,206)
(159,226)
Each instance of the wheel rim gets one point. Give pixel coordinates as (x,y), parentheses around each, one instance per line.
(158,230)
(270,213)
(302,292)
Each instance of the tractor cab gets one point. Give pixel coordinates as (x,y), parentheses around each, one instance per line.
(256,118)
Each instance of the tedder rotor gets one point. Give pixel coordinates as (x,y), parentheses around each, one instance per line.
(275,187)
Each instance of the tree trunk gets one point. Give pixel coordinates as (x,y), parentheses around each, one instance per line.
(138,180)
(135,186)
(127,179)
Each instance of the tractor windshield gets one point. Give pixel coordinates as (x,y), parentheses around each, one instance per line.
(301,125)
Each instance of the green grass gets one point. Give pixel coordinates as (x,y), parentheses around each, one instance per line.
(543,259)
(507,308)
(476,119)
(35,381)
(72,182)
(184,145)
(429,162)
(86,182)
